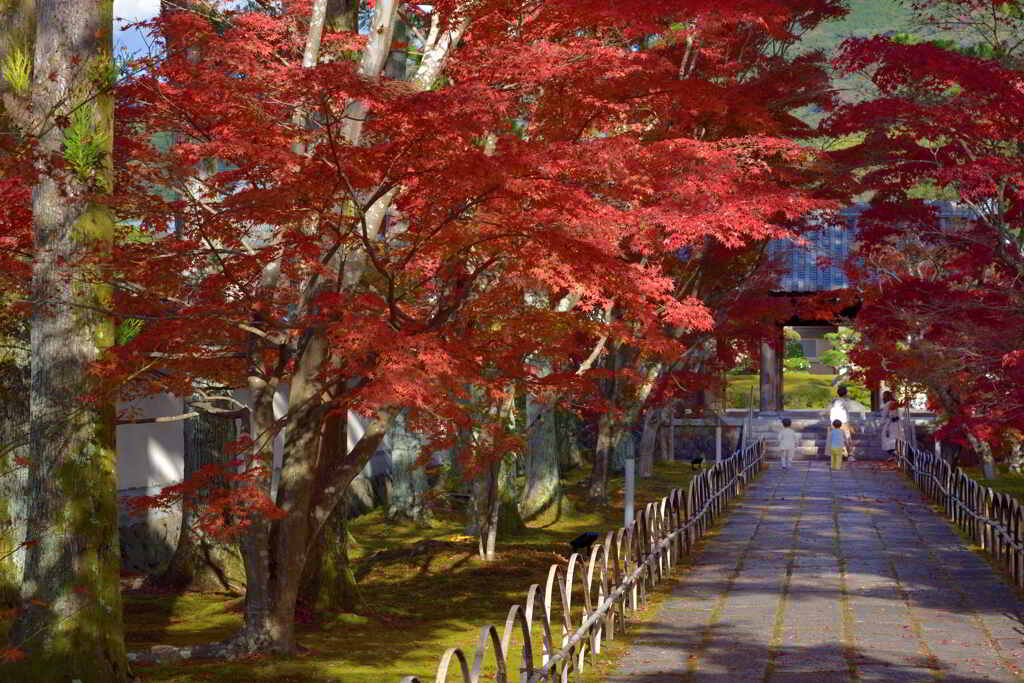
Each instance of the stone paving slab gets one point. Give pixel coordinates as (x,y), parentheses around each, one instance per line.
(833,576)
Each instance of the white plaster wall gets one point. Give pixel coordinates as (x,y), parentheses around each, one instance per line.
(280,408)
(150,455)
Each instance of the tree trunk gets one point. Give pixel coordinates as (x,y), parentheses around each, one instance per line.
(313,483)
(17,33)
(607,435)
(649,442)
(408,479)
(70,619)
(487,508)
(567,425)
(543,488)
(199,562)
(984,451)
(625,446)
(1016,459)
(329,584)
(614,438)
(495,508)
(14,416)
(666,433)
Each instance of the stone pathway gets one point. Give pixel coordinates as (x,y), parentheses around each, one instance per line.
(822,576)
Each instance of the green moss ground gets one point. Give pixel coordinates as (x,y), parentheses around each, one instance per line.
(1004,483)
(801,390)
(425,592)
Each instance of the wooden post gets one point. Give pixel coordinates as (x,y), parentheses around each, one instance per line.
(876,397)
(771,373)
(672,431)
(718,441)
(630,492)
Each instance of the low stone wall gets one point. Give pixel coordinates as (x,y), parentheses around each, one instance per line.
(148,539)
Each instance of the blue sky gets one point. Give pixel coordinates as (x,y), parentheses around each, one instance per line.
(128,11)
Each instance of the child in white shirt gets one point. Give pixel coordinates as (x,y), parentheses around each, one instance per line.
(787,443)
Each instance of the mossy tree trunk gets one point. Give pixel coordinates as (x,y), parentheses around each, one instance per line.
(17,37)
(14,416)
(649,442)
(567,428)
(406,495)
(542,488)
(70,618)
(1016,457)
(328,584)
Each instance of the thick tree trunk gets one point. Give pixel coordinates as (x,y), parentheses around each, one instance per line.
(666,433)
(17,33)
(329,584)
(313,483)
(199,562)
(1016,459)
(984,451)
(648,443)
(542,488)
(567,426)
(70,620)
(14,418)
(408,478)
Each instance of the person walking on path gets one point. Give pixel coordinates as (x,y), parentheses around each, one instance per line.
(837,444)
(888,407)
(787,443)
(890,434)
(840,411)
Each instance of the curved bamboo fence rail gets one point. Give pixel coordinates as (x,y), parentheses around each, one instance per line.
(600,590)
(994,521)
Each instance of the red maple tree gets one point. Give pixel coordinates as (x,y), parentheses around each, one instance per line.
(941,254)
(312,209)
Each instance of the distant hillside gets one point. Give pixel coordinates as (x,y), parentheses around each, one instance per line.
(866,18)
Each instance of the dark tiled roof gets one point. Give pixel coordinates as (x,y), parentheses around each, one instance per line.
(817,265)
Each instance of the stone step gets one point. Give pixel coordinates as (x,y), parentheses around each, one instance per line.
(816,426)
(872,456)
(800,450)
(819,448)
(807,440)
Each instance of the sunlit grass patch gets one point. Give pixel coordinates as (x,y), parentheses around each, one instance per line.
(425,591)
(801,390)
(1005,482)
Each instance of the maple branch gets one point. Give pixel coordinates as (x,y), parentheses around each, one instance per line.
(410,24)
(276,340)
(152,420)
(594,353)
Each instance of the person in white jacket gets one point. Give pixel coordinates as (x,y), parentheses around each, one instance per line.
(890,435)
(839,410)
